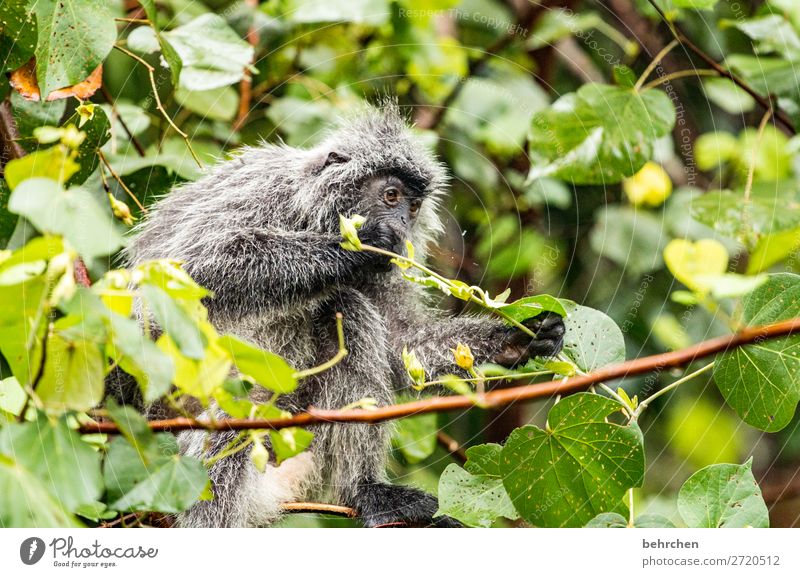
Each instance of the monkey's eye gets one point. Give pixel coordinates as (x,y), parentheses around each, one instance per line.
(413,208)
(391,196)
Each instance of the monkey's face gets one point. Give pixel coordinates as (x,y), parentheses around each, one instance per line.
(394,202)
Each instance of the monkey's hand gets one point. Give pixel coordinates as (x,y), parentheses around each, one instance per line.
(385,505)
(518,347)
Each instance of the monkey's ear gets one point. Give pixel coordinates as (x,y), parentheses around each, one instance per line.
(334,157)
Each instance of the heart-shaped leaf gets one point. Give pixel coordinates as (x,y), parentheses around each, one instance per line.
(579,467)
(689,261)
(592,339)
(723,496)
(762,381)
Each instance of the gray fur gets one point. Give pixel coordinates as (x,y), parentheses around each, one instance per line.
(261,231)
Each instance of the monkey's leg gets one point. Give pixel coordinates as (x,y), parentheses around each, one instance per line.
(243,496)
(354,454)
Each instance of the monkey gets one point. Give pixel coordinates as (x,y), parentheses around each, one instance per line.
(261,231)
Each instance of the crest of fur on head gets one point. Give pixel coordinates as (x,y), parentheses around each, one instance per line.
(296,189)
(372,141)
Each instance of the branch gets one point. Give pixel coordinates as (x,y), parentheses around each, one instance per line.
(246,85)
(337,510)
(11,149)
(493,399)
(452,446)
(765,102)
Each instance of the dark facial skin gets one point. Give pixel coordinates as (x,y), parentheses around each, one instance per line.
(394,207)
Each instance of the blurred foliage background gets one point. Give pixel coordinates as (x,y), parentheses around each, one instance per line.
(472,75)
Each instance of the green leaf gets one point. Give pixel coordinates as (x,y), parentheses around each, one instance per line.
(373,12)
(762,381)
(171,486)
(528,307)
(475,500)
(696,4)
(268,369)
(592,340)
(176,322)
(288,442)
(74,38)
(97,134)
(73,213)
(152,476)
(580,466)
(73,375)
(12,396)
(58,457)
(30,114)
(22,310)
(632,239)
(26,502)
(773,208)
(215,104)
(724,496)
(415,437)
(17,33)
(617,521)
(211,53)
(55,163)
(599,135)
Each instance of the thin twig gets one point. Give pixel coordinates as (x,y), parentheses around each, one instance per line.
(493,399)
(452,446)
(653,63)
(679,74)
(159,106)
(764,102)
(136,144)
(116,177)
(334,360)
(644,404)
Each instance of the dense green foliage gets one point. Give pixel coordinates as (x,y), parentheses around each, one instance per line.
(564,137)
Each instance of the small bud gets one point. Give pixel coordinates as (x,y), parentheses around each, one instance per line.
(121,210)
(72,137)
(259,455)
(413,367)
(463,356)
(86,112)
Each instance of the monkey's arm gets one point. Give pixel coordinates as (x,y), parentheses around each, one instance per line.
(433,337)
(260,268)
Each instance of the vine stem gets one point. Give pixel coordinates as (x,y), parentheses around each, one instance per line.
(449,283)
(492,399)
(334,360)
(653,63)
(159,106)
(679,74)
(751,170)
(644,404)
(116,177)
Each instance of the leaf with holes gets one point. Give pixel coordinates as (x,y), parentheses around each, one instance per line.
(592,340)
(580,466)
(723,496)
(475,495)
(761,381)
(74,38)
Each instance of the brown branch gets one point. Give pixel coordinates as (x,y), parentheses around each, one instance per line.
(493,399)
(325,508)
(765,102)
(246,85)
(452,446)
(9,134)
